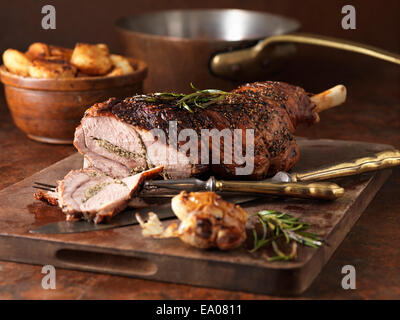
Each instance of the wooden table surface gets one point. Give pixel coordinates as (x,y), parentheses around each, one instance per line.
(371,113)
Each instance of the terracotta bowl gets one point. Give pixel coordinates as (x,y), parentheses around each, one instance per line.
(49,110)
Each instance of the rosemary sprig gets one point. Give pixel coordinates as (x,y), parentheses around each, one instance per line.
(199,98)
(277,225)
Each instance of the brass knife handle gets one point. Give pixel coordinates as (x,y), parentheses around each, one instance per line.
(315,190)
(381,160)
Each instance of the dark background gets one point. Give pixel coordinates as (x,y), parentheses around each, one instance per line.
(314,68)
(378,22)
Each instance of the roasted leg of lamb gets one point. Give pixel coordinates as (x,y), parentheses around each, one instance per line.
(117,136)
(121,144)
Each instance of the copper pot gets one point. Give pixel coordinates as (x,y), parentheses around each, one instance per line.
(217,48)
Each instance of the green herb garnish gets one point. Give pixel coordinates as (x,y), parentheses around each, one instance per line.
(118,150)
(277,225)
(199,98)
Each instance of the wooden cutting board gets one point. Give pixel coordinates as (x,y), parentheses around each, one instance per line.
(124,251)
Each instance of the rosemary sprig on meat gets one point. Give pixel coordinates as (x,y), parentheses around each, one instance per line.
(199,98)
(277,225)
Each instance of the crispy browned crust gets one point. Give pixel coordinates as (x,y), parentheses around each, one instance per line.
(253,99)
(102,108)
(45,197)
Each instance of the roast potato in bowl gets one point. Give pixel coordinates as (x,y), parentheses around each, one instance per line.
(47,94)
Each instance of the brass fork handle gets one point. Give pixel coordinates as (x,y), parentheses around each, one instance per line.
(249,61)
(381,160)
(315,190)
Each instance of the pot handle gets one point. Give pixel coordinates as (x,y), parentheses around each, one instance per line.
(246,63)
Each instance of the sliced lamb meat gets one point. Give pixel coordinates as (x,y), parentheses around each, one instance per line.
(51,198)
(120,149)
(91,194)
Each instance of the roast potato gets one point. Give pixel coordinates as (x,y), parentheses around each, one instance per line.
(50,68)
(38,50)
(60,52)
(92,59)
(122,63)
(16,62)
(115,72)
(48,61)
(41,50)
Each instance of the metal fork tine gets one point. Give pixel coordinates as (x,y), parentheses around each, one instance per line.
(44,188)
(45,185)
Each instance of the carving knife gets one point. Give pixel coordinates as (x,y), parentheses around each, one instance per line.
(125,218)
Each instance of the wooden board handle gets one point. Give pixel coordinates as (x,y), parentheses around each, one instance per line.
(106,262)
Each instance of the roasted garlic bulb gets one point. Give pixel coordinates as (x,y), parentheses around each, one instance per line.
(206,221)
